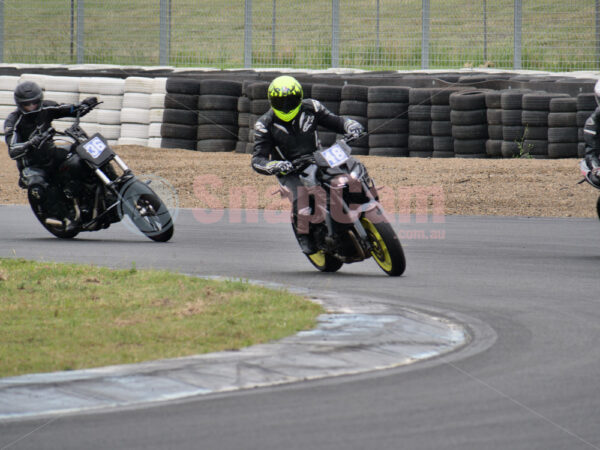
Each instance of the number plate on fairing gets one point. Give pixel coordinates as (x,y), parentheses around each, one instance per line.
(95,150)
(335,155)
(95,146)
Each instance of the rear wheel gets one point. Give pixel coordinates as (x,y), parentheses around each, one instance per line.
(321,260)
(387,250)
(325,262)
(146,210)
(57,230)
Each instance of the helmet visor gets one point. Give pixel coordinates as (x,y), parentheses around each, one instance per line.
(286,103)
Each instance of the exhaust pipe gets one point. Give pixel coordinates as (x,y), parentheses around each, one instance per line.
(54,222)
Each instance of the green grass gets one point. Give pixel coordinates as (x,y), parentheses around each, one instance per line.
(555,35)
(64,317)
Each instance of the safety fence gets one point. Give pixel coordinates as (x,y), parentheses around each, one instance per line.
(311,34)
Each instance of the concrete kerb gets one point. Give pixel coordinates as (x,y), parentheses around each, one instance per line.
(356,335)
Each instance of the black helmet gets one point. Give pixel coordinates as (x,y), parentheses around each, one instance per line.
(28,93)
(285,96)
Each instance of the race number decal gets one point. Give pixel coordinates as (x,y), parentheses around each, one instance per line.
(335,155)
(94,147)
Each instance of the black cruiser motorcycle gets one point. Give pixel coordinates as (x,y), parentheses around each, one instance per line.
(93,188)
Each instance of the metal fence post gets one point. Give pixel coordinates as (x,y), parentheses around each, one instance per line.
(248,34)
(335,33)
(485,31)
(1,31)
(378,25)
(273,30)
(425,40)
(597,33)
(80,32)
(164,36)
(517,34)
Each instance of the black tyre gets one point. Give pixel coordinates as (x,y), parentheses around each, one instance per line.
(146,210)
(57,231)
(598,207)
(387,250)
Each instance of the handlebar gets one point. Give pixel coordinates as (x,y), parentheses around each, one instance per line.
(350,138)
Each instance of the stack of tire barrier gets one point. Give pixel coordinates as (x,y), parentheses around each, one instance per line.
(7,99)
(353,104)
(259,104)
(493,146)
(586,104)
(513,131)
(157,109)
(330,96)
(468,115)
(180,116)
(441,125)
(562,128)
(534,117)
(387,112)
(110,92)
(243,108)
(218,115)
(135,115)
(420,140)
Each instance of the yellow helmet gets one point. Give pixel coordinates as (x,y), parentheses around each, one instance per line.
(285,96)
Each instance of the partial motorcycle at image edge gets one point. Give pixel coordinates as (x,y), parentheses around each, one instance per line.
(587,177)
(341,211)
(93,188)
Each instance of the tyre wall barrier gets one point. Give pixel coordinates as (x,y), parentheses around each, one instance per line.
(476,115)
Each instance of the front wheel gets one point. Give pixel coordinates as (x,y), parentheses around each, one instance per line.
(387,250)
(598,207)
(146,210)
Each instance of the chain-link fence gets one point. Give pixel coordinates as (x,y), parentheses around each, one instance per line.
(312,34)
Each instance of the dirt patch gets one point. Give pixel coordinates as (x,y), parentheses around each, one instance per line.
(456,186)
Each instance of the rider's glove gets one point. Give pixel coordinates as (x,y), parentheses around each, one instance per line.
(86,105)
(279,167)
(353,128)
(35,141)
(90,101)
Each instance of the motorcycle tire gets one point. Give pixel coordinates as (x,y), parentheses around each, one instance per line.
(387,250)
(598,207)
(59,232)
(325,262)
(146,210)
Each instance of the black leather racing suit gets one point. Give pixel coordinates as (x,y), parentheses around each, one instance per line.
(35,164)
(275,139)
(592,140)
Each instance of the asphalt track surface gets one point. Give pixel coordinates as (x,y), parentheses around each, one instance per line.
(536,385)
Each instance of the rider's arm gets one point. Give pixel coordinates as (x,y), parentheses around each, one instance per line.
(263,147)
(16,147)
(591,134)
(56,111)
(326,118)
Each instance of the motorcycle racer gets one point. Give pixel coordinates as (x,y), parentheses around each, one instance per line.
(36,160)
(289,130)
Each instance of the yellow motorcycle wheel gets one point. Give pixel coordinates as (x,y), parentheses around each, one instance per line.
(324,262)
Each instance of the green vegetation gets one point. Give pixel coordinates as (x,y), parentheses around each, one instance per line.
(555,35)
(64,317)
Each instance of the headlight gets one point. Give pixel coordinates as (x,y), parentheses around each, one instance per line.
(340,181)
(356,172)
